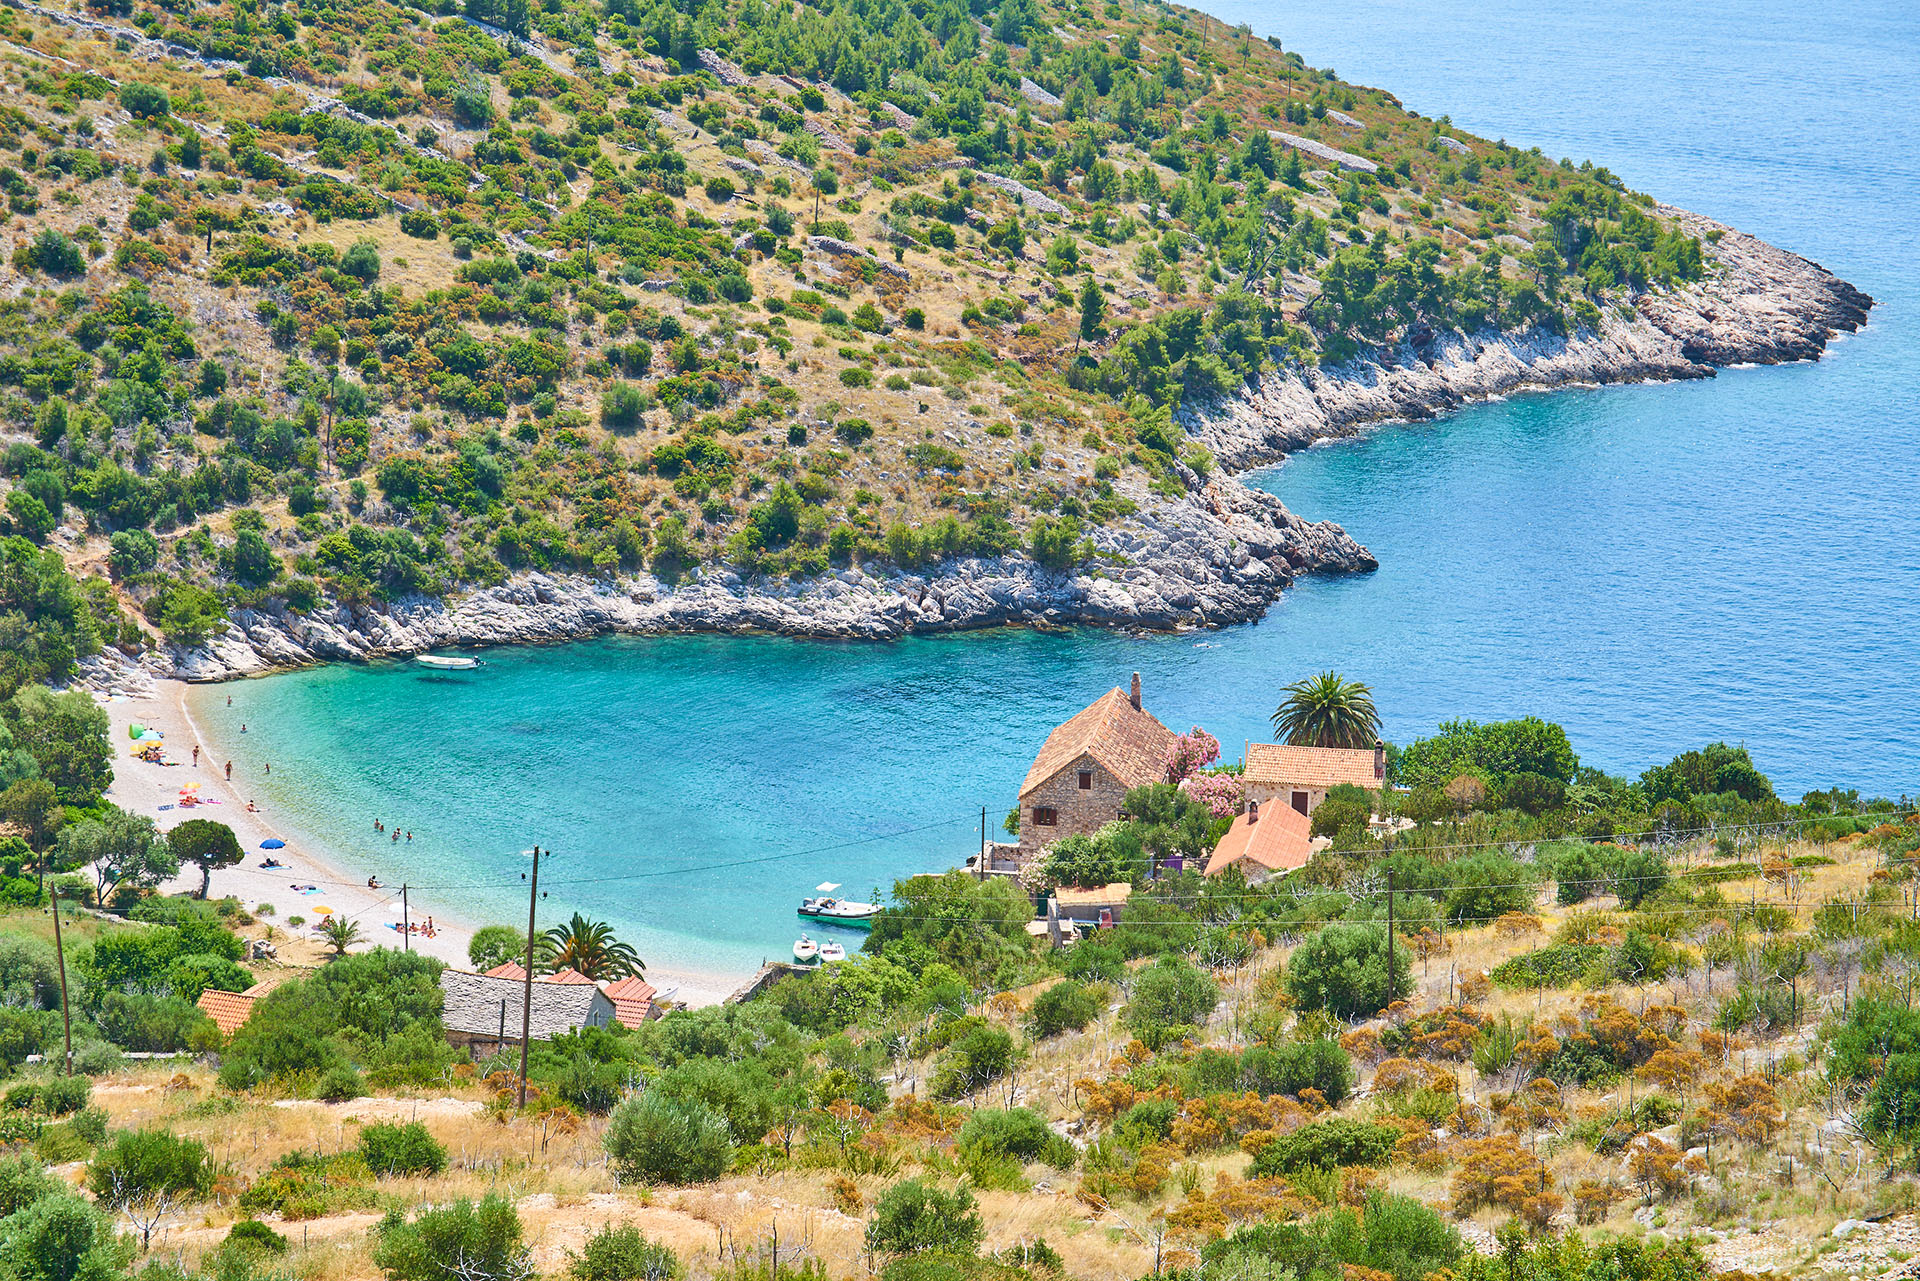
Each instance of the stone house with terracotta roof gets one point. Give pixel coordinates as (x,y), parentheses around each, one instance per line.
(1265,840)
(1300,777)
(1088,765)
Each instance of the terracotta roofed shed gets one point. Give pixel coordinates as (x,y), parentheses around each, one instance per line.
(1266,840)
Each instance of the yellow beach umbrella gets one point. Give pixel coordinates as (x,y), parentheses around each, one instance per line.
(322,909)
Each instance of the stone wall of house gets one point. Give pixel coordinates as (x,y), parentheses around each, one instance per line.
(1080,810)
(1282,794)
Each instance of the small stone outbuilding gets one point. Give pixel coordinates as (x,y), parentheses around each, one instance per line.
(482,1012)
(1088,765)
(1264,841)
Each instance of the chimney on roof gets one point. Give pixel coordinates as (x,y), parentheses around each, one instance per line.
(1379,761)
(1134,697)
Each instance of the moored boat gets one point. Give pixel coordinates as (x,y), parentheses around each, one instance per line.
(839,911)
(447,662)
(806,951)
(832,952)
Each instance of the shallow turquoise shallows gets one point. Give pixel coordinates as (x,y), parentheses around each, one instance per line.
(1654,567)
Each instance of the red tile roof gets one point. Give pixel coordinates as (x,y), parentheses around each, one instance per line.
(632,1000)
(567,975)
(507,970)
(1311,767)
(1280,841)
(1128,742)
(228,1010)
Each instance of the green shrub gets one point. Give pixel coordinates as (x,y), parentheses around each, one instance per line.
(1293,1066)
(457,1242)
(979,1057)
(493,945)
(60,1095)
(1066,1006)
(620,407)
(147,102)
(1171,998)
(622,1254)
(917,1215)
(1019,1133)
(256,1235)
(401,1149)
(340,1084)
(1343,969)
(654,1139)
(143,1164)
(1325,1145)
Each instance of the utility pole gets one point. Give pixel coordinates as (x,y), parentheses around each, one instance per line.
(406,925)
(1389,938)
(526,999)
(60,953)
(980,864)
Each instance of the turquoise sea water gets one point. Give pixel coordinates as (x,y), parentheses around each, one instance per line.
(1652,566)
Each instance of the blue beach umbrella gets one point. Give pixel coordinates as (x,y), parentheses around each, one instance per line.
(273,843)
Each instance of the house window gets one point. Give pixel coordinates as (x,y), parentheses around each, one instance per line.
(1086,780)
(1300,801)
(1044,817)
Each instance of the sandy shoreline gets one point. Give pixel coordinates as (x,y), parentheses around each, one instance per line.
(143,787)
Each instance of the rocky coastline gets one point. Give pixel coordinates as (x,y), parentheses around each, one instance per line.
(1218,555)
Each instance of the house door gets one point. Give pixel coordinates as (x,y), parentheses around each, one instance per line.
(1300,801)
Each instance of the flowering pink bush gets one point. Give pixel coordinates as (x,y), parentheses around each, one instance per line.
(1220,793)
(1192,751)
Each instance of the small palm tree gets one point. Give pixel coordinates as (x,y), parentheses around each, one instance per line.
(1327,711)
(590,948)
(340,934)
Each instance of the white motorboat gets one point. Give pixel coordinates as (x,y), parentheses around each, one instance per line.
(839,911)
(831,952)
(447,662)
(806,951)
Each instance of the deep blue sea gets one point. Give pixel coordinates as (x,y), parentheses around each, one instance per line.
(1654,567)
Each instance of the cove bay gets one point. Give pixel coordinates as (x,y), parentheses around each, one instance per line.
(1652,566)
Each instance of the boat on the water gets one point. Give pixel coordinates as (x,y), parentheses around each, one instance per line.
(806,951)
(839,911)
(832,952)
(447,662)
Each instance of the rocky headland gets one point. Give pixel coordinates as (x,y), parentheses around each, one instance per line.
(1220,554)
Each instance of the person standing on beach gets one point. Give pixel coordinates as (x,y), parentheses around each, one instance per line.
(196,756)
(229,771)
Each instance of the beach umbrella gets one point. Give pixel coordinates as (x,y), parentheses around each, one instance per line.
(273,843)
(322,909)
(135,731)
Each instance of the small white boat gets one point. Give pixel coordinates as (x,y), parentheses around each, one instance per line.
(831,952)
(447,662)
(806,951)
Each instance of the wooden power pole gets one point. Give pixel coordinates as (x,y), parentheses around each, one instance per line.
(526,999)
(60,954)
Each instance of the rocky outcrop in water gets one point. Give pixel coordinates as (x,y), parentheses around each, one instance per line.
(1219,555)
(1757,305)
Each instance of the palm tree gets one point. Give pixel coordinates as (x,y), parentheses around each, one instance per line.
(590,948)
(1327,711)
(340,934)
